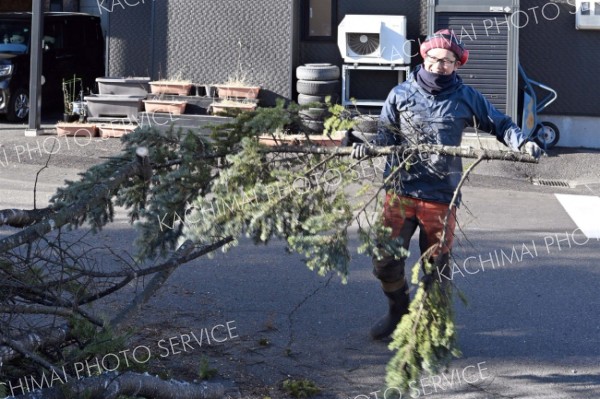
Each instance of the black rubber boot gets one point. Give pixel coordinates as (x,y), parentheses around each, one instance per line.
(398,306)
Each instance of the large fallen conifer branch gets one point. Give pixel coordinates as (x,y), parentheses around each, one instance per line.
(184,163)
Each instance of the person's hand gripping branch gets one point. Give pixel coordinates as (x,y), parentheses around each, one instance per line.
(532,149)
(360,150)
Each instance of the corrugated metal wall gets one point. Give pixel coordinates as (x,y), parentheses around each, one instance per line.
(553,52)
(130,40)
(203,41)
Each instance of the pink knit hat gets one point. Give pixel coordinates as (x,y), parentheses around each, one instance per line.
(445,39)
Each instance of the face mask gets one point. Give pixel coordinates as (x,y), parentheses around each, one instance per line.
(434,83)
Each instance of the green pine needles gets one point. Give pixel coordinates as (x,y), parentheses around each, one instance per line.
(425,340)
(229,185)
(278,200)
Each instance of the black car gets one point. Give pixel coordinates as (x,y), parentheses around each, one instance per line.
(73,45)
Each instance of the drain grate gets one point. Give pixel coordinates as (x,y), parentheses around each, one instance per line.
(551,182)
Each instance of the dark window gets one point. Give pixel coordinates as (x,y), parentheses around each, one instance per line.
(56,5)
(319,19)
(14,36)
(54,34)
(64,35)
(585,8)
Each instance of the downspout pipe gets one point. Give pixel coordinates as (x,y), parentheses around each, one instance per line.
(35,71)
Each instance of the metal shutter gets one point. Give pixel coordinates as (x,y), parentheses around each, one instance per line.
(489,31)
(487,69)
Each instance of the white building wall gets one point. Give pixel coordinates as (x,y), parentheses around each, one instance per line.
(576,131)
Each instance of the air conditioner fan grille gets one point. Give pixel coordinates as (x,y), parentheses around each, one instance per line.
(363,43)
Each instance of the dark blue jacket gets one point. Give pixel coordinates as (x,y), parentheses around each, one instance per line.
(413,116)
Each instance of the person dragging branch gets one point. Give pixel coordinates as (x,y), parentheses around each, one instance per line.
(433,106)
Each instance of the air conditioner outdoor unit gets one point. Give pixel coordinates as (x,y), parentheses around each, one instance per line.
(374,39)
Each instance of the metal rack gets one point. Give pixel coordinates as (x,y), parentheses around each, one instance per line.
(403,71)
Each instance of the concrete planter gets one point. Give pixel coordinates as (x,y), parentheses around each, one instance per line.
(166,106)
(114,106)
(115,130)
(135,86)
(228,91)
(168,87)
(76,129)
(223,107)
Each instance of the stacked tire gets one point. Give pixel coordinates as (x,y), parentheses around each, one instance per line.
(315,83)
(365,128)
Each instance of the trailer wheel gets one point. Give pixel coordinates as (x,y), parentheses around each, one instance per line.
(547,135)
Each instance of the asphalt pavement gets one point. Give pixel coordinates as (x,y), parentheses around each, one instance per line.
(529,270)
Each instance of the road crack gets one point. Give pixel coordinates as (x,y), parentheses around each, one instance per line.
(298,306)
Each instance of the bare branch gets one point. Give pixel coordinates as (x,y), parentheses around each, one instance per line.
(33,340)
(37,309)
(464,151)
(17,346)
(23,217)
(184,254)
(113,385)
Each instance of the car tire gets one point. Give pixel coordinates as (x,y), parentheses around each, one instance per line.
(318,64)
(304,99)
(366,123)
(314,114)
(18,106)
(325,72)
(313,127)
(360,137)
(317,87)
